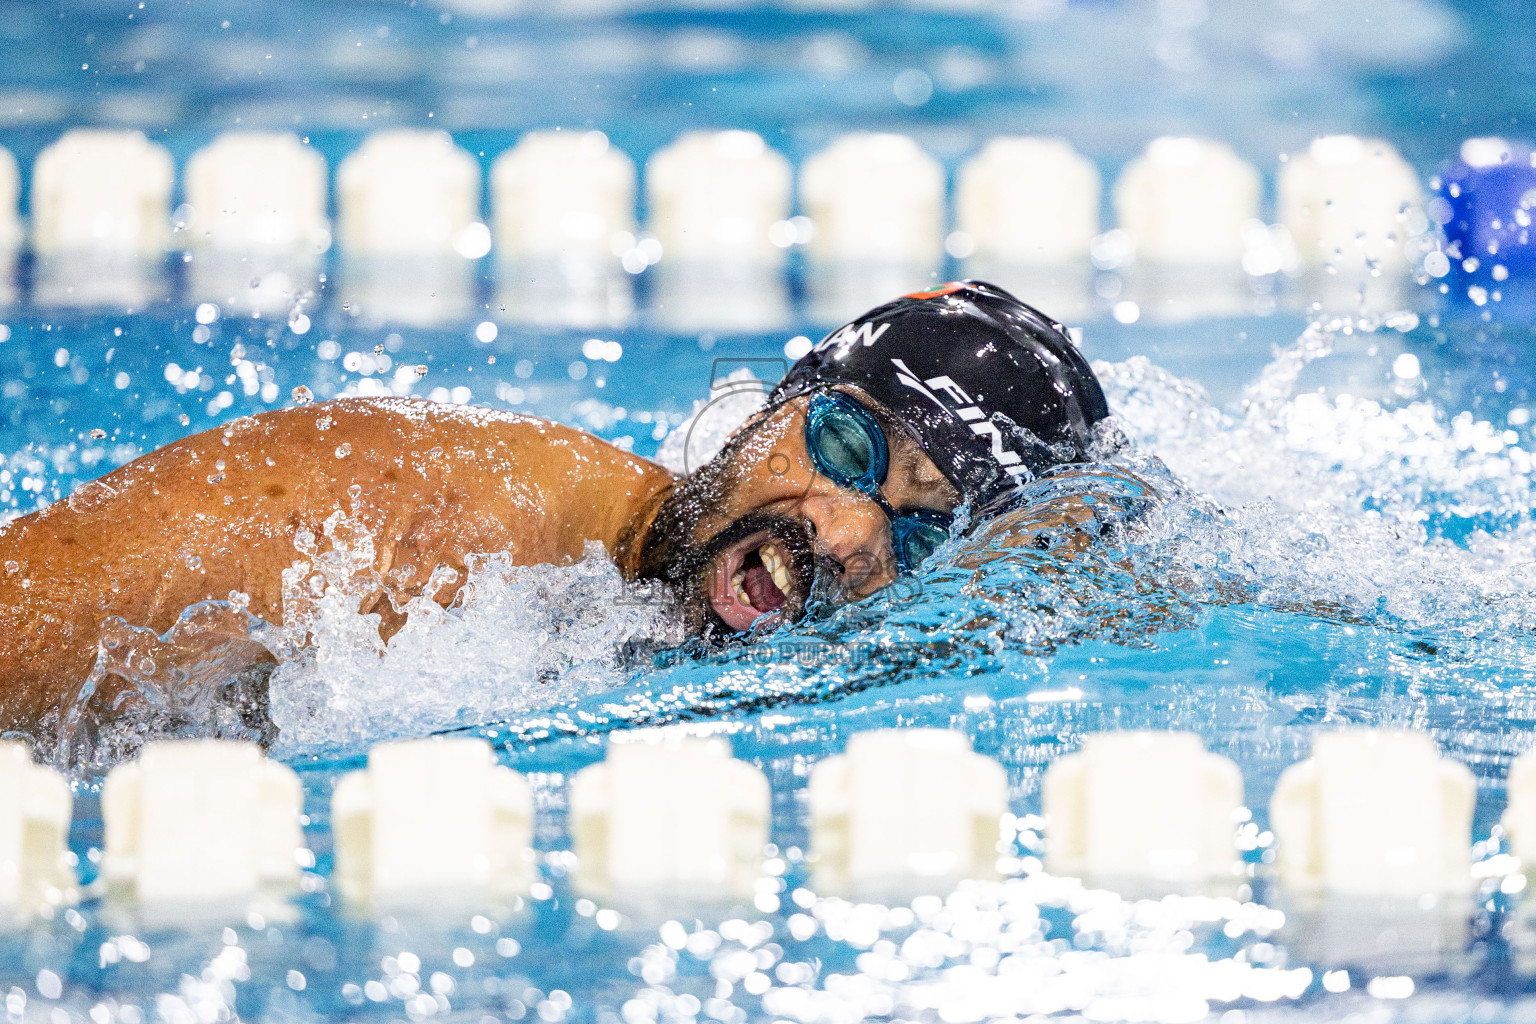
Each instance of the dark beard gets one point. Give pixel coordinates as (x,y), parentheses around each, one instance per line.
(673,555)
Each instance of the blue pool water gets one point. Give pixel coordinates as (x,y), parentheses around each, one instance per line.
(1344,542)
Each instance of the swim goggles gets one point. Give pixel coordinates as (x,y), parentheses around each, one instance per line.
(848,447)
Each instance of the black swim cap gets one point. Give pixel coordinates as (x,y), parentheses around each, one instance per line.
(993,390)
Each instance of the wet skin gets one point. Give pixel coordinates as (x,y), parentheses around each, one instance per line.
(218,513)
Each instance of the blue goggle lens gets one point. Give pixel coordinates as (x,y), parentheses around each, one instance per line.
(916,535)
(845,443)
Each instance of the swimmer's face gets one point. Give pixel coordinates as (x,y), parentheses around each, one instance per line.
(744,537)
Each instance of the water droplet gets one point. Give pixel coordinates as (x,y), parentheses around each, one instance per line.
(97,433)
(343,450)
(421,369)
(378,350)
(194,562)
(302,395)
(215,478)
(89,496)
(185,419)
(324,422)
(11,565)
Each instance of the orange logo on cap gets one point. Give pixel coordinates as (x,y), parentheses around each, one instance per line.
(948,289)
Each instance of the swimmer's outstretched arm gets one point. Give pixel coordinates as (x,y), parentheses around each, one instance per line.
(218,512)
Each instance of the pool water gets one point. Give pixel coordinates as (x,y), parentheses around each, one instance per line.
(1347,536)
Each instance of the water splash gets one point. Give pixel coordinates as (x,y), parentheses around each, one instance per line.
(513,638)
(203,677)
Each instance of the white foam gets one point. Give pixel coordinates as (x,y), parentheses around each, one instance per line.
(733,399)
(1350,481)
(514,639)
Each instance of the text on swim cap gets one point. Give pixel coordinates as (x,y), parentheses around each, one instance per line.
(970,412)
(850,335)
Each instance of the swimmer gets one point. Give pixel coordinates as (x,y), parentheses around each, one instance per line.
(851,475)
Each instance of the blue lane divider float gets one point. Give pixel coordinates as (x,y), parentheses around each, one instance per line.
(1487,202)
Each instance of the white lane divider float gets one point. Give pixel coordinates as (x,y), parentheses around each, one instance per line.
(257,192)
(255,220)
(408,221)
(11,233)
(432,819)
(104,193)
(1143,806)
(10,193)
(201,821)
(874,198)
(35,806)
(101,219)
(563,221)
(407,193)
(667,814)
(563,194)
(1026,201)
(1375,812)
(1520,811)
(719,209)
(876,204)
(1188,209)
(1186,201)
(905,811)
(1026,216)
(1351,204)
(716,196)
(1354,211)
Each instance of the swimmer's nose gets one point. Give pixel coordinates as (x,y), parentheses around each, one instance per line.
(852,530)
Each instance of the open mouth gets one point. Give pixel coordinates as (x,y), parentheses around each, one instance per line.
(760,575)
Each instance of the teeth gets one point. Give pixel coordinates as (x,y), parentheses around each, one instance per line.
(741,593)
(774,563)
